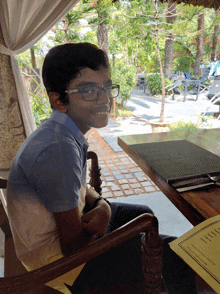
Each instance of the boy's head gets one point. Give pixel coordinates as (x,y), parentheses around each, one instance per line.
(63,63)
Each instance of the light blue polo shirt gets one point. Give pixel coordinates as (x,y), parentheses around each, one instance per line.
(52,163)
(48,175)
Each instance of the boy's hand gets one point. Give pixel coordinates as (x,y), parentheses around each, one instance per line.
(96,221)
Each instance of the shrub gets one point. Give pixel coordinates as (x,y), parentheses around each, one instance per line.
(154,83)
(125,76)
(183,126)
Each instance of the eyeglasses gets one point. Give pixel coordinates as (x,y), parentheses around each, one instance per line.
(92,93)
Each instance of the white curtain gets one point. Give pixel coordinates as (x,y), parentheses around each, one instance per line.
(23,23)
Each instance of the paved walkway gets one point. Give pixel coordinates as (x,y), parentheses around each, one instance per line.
(121,176)
(147,108)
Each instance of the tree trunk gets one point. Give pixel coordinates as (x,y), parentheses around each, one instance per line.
(33,59)
(171,17)
(102,35)
(12,133)
(160,63)
(65,29)
(200,41)
(215,38)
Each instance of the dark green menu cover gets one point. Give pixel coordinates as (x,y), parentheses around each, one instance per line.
(178,160)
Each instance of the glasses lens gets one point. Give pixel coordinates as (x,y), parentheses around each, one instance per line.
(89,93)
(112,91)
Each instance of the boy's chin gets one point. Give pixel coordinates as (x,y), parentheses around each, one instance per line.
(101,124)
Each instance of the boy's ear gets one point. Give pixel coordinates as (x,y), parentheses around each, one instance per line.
(55,101)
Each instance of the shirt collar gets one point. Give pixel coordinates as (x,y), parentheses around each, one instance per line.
(65,120)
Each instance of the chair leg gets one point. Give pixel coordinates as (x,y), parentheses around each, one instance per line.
(152,262)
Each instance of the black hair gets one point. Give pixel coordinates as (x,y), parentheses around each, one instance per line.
(64,62)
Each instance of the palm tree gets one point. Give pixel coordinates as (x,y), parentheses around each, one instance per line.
(160,62)
(200,41)
(102,33)
(215,37)
(170,18)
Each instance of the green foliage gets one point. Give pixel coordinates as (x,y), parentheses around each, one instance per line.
(124,75)
(68,30)
(39,101)
(183,64)
(131,32)
(203,121)
(183,126)
(40,107)
(24,58)
(154,83)
(123,111)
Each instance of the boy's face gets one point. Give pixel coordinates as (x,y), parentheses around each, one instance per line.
(88,114)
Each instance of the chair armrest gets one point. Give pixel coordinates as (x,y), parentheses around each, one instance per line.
(38,278)
(95,172)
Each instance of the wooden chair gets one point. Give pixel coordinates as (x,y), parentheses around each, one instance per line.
(18,280)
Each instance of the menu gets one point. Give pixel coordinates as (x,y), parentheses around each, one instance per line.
(200,249)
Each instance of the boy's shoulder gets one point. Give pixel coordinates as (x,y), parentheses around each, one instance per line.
(48,134)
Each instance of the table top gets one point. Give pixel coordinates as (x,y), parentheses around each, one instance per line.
(195,205)
(190,82)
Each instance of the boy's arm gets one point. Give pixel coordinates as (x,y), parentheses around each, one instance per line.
(96,220)
(73,228)
(71,231)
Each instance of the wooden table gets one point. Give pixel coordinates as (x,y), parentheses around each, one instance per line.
(196,205)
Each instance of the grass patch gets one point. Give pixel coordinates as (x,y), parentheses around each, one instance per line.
(123,111)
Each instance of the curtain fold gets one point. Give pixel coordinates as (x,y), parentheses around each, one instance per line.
(23,23)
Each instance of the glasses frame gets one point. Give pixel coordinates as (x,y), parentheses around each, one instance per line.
(79,90)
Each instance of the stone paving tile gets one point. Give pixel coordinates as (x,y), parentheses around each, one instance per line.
(121,176)
(124,171)
(115,188)
(123,181)
(125,186)
(136,185)
(118,194)
(132,180)
(128,176)
(138,191)
(150,189)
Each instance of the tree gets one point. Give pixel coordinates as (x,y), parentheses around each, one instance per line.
(215,37)
(33,59)
(160,62)
(200,41)
(102,33)
(169,46)
(101,8)
(68,29)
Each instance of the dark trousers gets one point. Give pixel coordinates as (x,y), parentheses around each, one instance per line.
(122,265)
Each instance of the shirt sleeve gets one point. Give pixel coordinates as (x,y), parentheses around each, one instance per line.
(57,174)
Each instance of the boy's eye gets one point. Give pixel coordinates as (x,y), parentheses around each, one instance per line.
(88,90)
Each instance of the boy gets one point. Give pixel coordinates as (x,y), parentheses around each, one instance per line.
(47,190)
